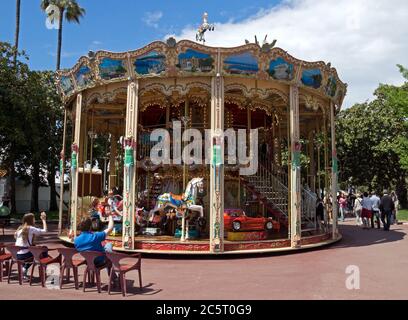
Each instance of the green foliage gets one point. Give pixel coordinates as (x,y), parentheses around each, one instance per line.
(372,140)
(30,119)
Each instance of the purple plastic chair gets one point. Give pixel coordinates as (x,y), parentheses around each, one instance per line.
(70,263)
(92,270)
(42,259)
(122,269)
(14,260)
(4,260)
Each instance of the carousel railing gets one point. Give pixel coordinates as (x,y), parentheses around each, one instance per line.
(272,182)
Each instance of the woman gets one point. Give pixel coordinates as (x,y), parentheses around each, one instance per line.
(357,210)
(342,206)
(25,238)
(394,198)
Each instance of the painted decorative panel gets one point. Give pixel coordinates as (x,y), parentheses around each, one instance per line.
(67,85)
(83,76)
(279,69)
(195,61)
(151,63)
(331,87)
(312,78)
(110,69)
(243,64)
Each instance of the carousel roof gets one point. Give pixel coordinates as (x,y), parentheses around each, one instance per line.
(190,59)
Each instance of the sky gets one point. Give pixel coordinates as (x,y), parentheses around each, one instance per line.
(363,39)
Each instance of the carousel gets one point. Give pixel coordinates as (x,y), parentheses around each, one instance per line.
(121,108)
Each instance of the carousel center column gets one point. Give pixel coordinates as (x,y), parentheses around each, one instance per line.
(74,167)
(295,194)
(335,169)
(217,164)
(130,171)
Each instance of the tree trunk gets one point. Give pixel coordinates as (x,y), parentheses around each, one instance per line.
(60,39)
(402,191)
(17,34)
(35,185)
(53,190)
(12,187)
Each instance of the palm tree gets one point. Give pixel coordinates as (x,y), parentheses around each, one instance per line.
(71,11)
(17,35)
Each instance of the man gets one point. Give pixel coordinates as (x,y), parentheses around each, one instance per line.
(375,202)
(387,207)
(366,212)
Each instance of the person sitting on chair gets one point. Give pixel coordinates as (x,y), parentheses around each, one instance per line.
(25,238)
(93,241)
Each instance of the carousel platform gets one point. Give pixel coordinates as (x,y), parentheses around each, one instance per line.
(170,245)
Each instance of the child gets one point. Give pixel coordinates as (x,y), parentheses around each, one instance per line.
(25,238)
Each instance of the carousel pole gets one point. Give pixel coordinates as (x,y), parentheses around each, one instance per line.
(84,159)
(91,156)
(217,167)
(74,166)
(326,164)
(130,166)
(296,196)
(62,175)
(334,186)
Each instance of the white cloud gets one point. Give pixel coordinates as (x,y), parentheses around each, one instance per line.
(363,39)
(152,18)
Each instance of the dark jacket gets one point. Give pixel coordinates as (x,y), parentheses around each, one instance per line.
(387,204)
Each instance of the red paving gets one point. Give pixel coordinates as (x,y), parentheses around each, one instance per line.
(319,274)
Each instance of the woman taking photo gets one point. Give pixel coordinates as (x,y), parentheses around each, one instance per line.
(25,235)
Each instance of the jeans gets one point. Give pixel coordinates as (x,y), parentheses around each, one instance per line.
(342,212)
(100,261)
(386,217)
(26,256)
(375,214)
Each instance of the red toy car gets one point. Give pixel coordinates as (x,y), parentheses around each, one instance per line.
(237,220)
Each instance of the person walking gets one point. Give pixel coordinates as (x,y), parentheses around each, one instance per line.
(387,207)
(342,206)
(375,202)
(396,205)
(366,212)
(320,214)
(357,210)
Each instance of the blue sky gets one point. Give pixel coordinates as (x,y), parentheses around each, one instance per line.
(115,25)
(363,39)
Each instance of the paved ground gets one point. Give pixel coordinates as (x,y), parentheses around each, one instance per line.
(382,258)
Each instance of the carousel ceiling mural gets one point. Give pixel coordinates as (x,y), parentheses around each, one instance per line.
(186,58)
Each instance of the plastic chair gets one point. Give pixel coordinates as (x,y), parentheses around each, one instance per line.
(42,259)
(70,263)
(122,269)
(4,259)
(92,270)
(14,260)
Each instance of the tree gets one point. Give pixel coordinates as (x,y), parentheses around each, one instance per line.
(17,32)
(71,11)
(371,137)
(13,79)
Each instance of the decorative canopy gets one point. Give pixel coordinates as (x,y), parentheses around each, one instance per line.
(189,59)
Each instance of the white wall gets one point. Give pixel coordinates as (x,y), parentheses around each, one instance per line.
(23,197)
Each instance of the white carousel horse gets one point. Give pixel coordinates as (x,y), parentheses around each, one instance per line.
(203,28)
(182,204)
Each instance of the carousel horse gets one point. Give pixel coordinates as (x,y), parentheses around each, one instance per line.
(181,204)
(204,28)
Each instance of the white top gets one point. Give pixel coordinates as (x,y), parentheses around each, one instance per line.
(367,204)
(357,204)
(31,232)
(375,202)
